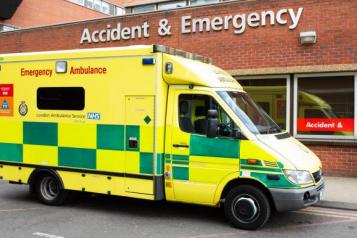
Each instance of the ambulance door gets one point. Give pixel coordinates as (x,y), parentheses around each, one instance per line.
(139,143)
(198,163)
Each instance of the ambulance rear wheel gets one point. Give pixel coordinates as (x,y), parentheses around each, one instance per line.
(247,207)
(49,191)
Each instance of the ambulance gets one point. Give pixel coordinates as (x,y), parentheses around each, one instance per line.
(148,122)
(273,100)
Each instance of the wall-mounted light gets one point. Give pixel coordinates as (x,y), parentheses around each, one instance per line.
(308,37)
(61,67)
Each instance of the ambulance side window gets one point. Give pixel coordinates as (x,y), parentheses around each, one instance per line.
(193,115)
(61,98)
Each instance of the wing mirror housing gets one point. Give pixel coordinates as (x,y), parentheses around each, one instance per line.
(237,134)
(212,123)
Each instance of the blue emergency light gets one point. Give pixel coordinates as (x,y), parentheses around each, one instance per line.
(148,61)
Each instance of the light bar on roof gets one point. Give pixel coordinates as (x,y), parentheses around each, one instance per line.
(181,53)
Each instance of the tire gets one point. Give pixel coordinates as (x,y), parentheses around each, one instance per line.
(247,207)
(49,191)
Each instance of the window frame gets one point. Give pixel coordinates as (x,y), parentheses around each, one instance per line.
(143,6)
(169,3)
(85,3)
(202,4)
(295,107)
(202,94)
(288,94)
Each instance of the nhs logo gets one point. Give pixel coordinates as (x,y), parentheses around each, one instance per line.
(93,116)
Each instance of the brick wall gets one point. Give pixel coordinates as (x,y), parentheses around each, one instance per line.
(32,13)
(337,160)
(264,47)
(270,46)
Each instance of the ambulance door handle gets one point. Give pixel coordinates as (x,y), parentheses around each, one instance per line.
(179,145)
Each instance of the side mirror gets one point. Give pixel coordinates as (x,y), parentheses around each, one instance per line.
(237,134)
(212,123)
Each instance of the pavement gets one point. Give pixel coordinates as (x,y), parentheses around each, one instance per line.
(339,193)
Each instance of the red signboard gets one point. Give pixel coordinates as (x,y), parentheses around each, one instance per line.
(6,100)
(326,124)
(6,90)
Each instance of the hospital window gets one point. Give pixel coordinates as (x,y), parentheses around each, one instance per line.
(171,5)
(61,98)
(201,2)
(144,8)
(325,106)
(100,6)
(271,95)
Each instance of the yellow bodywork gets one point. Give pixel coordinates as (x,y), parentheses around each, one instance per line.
(123,142)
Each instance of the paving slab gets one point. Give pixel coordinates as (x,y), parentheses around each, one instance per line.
(340,193)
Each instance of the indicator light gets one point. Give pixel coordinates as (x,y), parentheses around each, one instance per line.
(253,161)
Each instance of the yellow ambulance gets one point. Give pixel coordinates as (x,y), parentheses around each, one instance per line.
(148,122)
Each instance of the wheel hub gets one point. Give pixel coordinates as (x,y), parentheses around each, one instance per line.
(49,188)
(245,209)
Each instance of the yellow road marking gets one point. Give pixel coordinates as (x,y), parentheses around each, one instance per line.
(19,209)
(327,213)
(311,224)
(217,235)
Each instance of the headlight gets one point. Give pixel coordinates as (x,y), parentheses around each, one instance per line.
(298,176)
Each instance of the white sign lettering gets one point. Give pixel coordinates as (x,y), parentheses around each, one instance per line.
(239,23)
(116,34)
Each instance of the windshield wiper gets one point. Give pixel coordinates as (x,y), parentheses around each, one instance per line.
(273,129)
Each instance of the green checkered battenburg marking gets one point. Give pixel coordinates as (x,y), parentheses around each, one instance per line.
(160,164)
(180,159)
(40,133)
(11,152)
(204,146)
(214,147)
(146,163)
(77,158)
(110,137)
(180,173)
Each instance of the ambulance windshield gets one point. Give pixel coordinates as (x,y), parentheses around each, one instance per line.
(253,116)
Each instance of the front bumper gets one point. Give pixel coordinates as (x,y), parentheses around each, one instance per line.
(294,199)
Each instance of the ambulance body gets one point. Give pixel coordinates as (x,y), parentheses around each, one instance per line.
(147,122)
(273,100)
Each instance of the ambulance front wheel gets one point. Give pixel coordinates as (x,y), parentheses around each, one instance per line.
(247,207)
(49,191)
